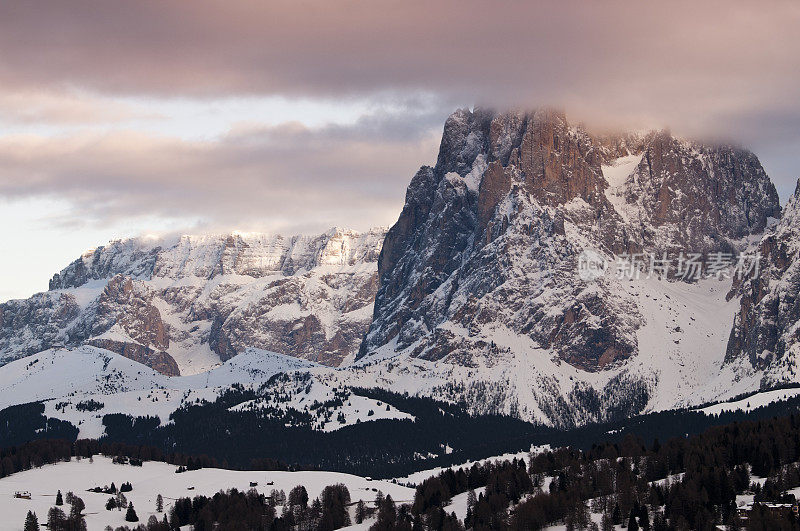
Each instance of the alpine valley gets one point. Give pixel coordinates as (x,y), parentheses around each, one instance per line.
(463,331)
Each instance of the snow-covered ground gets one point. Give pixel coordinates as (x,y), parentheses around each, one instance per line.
(752,402)
(683,340)
(152,479)
(458,504)
(418,477)
(65,378)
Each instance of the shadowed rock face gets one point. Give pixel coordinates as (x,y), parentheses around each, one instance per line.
(765,331)
(489,237)
(159,361)
(159,302)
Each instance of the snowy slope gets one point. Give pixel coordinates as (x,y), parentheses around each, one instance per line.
(65,378)
(751,402)
(152,479)
(616,173)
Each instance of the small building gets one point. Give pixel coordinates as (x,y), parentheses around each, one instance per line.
(23,494)
(778,509)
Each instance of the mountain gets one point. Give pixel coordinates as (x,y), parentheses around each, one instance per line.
(478,294)
(766,333)
(480,269)
(184,305)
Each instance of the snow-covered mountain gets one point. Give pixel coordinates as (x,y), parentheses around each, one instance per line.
(766,334)
(478,297)
(480,270)
(184,305)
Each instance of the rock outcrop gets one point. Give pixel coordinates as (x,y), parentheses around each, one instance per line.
(766,332)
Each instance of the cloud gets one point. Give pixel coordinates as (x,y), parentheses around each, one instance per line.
(619,54)
(48,107)
(283,178)
(703,68)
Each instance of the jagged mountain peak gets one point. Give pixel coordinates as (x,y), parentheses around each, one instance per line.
(205,255)
(487,243)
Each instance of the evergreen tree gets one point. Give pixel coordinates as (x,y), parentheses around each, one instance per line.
(471,499)
(644,517)
(56,519)
(59,498)
(361,511)
(387,514)
(130,515)
(31,522)
(159,504)
(606,523)
(616,515)
(315,511)
(76,508)
(335,499)
(298,496)
(659,522)
(632,525)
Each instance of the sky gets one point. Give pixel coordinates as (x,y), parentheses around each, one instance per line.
(120,119)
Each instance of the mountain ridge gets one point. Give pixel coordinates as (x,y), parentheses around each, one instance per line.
(478,295)
(164,302)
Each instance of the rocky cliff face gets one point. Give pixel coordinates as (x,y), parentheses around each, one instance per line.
(483,256)
(766,332)
(491,233)
(188,303)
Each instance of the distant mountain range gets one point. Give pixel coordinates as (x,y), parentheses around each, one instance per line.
(185,305)
(474,295)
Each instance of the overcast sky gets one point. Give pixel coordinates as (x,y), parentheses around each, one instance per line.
(118,119)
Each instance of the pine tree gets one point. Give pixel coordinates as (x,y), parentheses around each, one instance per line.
(130,515)
(31,522)
(632,525)
(361,511)
(644,517)
(76,508)
(122,501)
(56,519)
(298,496)
(616,515)
(659,522)
(387,514)
(59,498)
(471,498)
(159,504)
(607,523)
